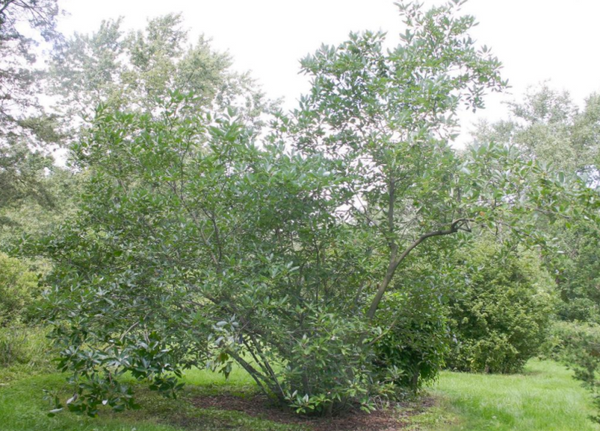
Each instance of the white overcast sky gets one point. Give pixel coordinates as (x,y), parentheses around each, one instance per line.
(537,40)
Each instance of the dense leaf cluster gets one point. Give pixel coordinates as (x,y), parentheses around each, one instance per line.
(501,309)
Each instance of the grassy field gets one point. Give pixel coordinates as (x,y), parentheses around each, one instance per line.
(23,408)
(544,397)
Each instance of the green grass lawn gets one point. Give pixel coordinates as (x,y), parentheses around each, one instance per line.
(23,408)
(544,397)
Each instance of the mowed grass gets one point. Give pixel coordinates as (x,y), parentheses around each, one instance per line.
(544,397)
(23,408)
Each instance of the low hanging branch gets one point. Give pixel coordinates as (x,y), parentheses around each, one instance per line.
(395,260)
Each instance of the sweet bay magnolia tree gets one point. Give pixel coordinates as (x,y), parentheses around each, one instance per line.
(199,244)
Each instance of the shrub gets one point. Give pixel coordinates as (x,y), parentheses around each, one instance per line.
(199,242)
(501,310)
(577,345)
(24,347)
(416,340)
(578,273)
(21,346)
(328,370)
(18,288)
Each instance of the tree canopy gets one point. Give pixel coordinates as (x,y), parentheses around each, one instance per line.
(26,131)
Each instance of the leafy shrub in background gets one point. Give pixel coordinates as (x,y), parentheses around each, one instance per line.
(501,309)
(577,345)
(578,273)
(24,348)
(18,288)
(21,345)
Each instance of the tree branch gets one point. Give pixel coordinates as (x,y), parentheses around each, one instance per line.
(460,224)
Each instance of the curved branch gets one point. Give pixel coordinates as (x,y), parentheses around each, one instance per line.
(460,224)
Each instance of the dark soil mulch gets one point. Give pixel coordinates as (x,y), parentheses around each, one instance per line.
(390,419)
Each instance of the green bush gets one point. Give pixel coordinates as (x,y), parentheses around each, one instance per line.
(18,288)
(198,242)
(416,342)
(500,312)
(332,363)
(577,345)
(24,347)
(578,274)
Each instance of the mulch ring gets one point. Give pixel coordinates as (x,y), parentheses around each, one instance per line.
(390,419)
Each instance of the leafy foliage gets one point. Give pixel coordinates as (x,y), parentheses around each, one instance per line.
(24,348)
(389,116)
(21,344)
(22,177)
(546,125)
(576,272)
(23,24)
(18,288)
(413,350)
